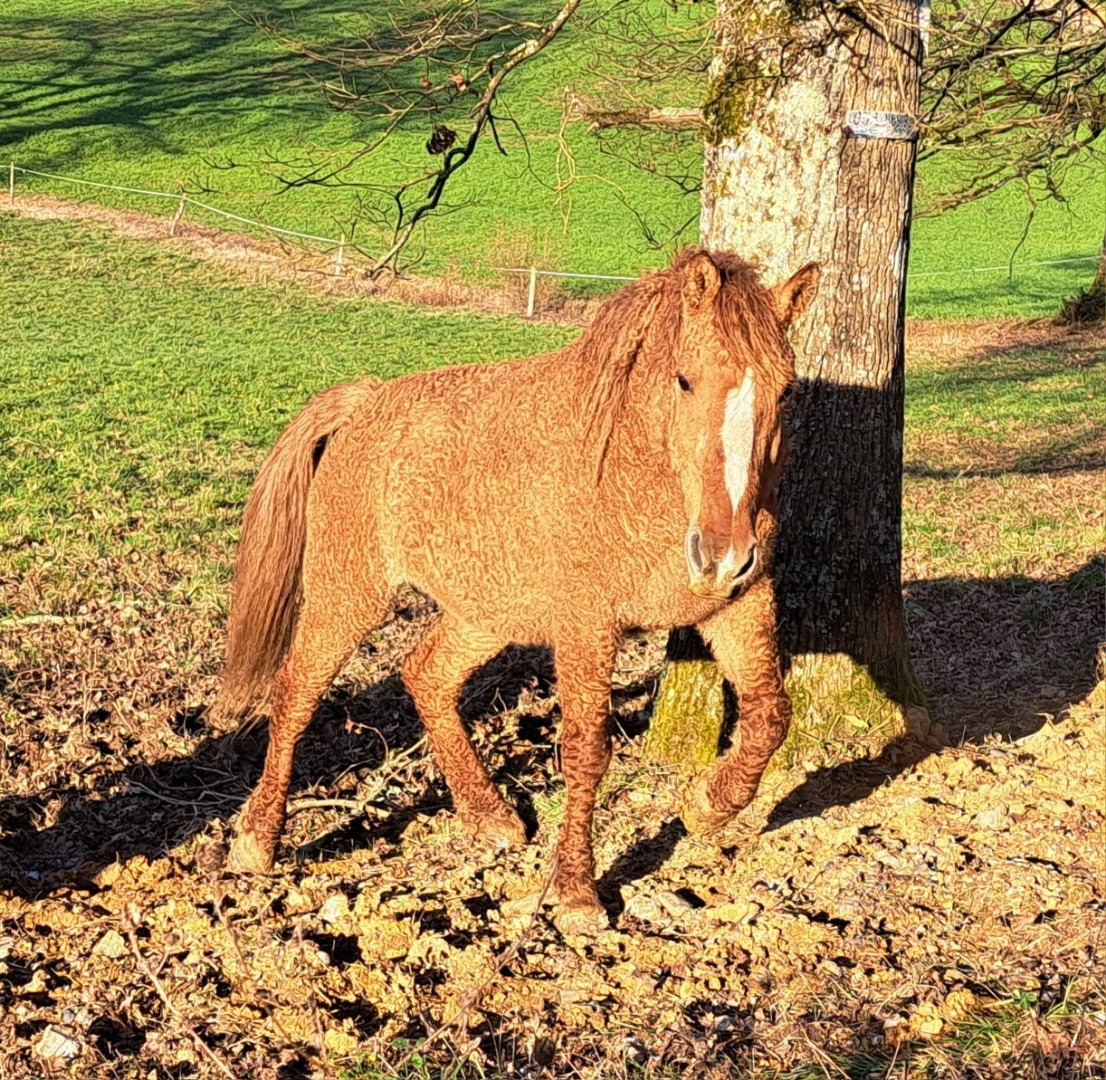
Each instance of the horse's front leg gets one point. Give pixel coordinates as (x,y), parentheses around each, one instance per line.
(584,689)
(743,639)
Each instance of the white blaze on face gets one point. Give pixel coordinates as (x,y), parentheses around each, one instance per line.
(737,437)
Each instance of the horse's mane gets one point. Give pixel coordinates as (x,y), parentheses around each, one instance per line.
(650,312)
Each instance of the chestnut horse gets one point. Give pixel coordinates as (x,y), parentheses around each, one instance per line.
(627,480)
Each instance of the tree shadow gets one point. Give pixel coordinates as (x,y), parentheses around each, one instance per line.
(120,79)
(1037,288)
(998,657)
(994,381)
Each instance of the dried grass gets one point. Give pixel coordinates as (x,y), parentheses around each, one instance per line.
(259,260)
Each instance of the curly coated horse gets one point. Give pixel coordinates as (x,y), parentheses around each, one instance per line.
(627,480)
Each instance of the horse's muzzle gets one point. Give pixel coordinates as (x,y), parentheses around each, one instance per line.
(712,578)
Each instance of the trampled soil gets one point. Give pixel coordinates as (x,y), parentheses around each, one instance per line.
(930,917)
(946,913)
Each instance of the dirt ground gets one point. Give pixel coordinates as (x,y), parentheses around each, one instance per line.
(885,917)
(948,914)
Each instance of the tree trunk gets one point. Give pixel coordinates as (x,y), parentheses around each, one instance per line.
(785,182)
(1090,305)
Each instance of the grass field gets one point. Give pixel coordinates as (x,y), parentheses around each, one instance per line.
(175,378)
(869,920)
(155,95)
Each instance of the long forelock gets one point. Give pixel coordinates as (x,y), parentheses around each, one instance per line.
(745,318)
(642,323)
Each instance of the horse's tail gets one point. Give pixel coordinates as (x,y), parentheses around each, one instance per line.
(266,593)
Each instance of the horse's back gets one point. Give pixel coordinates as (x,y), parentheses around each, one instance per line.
(463,481)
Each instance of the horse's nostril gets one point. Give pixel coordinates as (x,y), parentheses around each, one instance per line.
(750,564)
(693,550)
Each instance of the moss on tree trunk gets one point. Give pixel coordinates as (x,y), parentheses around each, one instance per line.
(691,688)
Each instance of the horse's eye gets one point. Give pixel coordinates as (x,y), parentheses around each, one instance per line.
(685,383)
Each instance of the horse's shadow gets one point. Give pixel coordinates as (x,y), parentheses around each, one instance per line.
(65,836)
(1002,678)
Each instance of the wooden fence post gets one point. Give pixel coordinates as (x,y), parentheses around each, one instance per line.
(339,256)
(11,184)
(532,291)
(178,215)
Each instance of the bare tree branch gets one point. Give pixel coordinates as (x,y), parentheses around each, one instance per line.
(447,61)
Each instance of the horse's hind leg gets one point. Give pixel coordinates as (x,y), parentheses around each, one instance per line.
(743,639)
(338,609)
(434,673)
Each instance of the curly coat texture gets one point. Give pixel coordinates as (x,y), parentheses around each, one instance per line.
(541,501)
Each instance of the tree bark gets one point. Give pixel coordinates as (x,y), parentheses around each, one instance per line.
(1089,307)
(785,182)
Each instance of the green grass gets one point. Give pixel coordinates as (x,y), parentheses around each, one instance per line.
(139,389)
(155,94)
(1007,438)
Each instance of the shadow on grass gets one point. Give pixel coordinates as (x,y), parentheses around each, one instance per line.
(118,77)
(1004,378)
(1034,289)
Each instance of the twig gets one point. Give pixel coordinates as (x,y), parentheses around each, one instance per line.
(218,796)
(300,805)
(129,925)
(388,771)
(217,897)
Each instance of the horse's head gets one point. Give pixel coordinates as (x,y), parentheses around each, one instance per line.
(731,368)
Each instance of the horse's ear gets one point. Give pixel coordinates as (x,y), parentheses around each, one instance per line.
(701,282)
(793,296)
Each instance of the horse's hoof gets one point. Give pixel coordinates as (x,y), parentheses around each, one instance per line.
(581,919)
(697,814)
(499,831)
(248,856)
(507,832)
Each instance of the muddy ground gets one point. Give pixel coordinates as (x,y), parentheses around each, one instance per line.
(946,913)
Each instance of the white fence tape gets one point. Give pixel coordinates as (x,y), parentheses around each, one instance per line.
(533,272)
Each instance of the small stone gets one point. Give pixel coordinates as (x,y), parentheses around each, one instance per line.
(993,818)
(111,945)
(55,1045)
(646,909)
(674,903)
(738,911)
(334,909)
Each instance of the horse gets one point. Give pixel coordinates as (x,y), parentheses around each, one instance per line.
(626,481)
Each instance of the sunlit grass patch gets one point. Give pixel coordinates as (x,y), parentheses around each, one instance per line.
(141,389)
(152,95)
